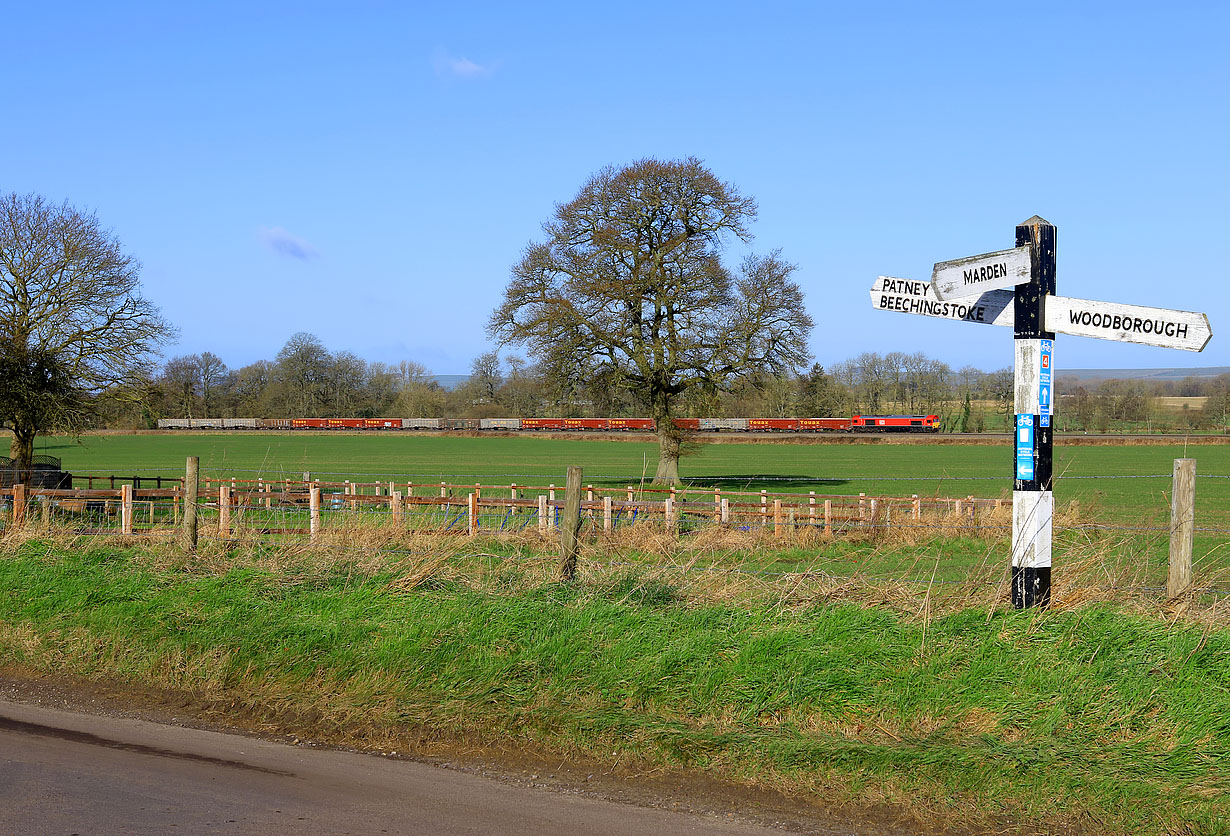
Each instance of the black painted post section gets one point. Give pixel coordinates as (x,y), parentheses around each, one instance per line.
(1033,383)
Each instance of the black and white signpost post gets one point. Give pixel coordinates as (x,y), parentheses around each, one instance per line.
(1032,500)
(1017,287)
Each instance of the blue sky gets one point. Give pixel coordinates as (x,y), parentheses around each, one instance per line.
(368,172)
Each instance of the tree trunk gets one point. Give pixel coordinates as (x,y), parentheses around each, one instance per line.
(669,444)
(21,449)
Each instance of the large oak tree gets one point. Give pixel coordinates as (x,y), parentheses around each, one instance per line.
(71,316)
(629,287)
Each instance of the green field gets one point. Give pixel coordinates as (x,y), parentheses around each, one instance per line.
(1084,472)
(1124,482)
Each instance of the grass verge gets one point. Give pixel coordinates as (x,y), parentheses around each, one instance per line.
(1089,717)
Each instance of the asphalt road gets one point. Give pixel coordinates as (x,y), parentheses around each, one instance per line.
(65,773)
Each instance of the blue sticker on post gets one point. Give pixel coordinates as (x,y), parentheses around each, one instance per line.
(1046,347)
(1025,447)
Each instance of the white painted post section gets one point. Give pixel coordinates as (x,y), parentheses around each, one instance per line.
(314,513)
(224,511)
(126,509)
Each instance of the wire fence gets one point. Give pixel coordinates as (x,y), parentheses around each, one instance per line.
(338,514)
(288,507)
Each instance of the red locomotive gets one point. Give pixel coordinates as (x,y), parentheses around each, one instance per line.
(896,423)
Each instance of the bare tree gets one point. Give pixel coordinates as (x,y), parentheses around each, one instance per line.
(69,292)
(347,380)
(212,373)
(181,380)
(301,376)
(629,285)
(485,379)
(411,372)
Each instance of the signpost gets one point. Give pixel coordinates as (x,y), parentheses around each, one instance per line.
(916,297)
(976,289)
(980,273)
(1128,323)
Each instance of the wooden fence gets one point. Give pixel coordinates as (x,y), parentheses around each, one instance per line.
(258,504)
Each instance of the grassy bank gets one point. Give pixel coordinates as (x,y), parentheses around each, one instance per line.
(1088,716)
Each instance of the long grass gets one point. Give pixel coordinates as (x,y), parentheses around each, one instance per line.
(1106,713)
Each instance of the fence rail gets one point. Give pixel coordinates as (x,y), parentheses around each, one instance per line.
(290,506)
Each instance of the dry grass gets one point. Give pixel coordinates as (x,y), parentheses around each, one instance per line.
(709,564)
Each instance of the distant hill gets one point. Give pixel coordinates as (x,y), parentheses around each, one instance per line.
(1094,375)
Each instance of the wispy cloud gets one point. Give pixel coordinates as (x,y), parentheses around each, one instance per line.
(284,243)
(458,66)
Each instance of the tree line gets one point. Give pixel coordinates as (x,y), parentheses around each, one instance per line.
(305,379)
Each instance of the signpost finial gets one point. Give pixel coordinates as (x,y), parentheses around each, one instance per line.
(1036,220)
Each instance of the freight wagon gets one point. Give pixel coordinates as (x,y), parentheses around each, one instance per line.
(858,423)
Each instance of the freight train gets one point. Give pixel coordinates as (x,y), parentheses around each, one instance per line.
(856,423)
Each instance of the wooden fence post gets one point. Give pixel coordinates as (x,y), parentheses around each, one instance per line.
(542,513)
(828,516)
(571,525)
(608,513)
(764,508)
(19,506)
(224,511)
(811,508)
(777,517)
(717,505)
(395,507)
(314,513)
(725,512)
(45,507)
(125,509)
(1182,526)
(188,533)
(668,512)
(472,514)
(916,506)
